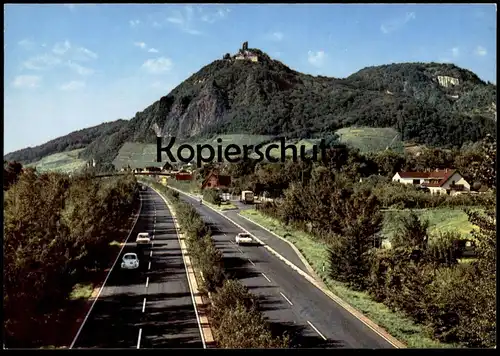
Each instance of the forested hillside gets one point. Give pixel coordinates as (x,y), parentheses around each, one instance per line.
(428,103)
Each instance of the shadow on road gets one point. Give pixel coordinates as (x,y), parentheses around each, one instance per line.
(301,337)
(238,268)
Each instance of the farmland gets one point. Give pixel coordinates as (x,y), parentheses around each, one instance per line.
(66,162)
(368,139)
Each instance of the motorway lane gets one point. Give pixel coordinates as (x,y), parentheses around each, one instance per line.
(302,304)
(151,307)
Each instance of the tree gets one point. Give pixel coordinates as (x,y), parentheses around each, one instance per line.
(361,221)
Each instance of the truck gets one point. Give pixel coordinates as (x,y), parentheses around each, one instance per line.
(247,197)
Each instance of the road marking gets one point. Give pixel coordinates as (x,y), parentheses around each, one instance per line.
(151,253)
(225,235)
(320,334)
(240,250)
(144,305)
(149,266)
(139,339)
(266,277)
(249,260)
(109,273)
(288,300)
(147,281)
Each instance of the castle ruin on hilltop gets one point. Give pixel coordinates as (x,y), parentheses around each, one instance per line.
(243,54)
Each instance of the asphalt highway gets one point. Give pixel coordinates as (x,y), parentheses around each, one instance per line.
(150,307)
(287,299)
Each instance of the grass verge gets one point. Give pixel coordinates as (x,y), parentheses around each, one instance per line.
(397,324)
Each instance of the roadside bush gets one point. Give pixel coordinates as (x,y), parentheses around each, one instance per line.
(212,196)
(237,321)
(463,306)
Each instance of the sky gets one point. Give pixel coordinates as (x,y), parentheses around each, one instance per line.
(68,67)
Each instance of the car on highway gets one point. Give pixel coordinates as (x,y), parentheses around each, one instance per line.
(143,238)
(244,238)
(130,261)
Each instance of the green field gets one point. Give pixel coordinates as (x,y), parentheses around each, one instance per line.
(65,162)
(369,139)
(441,219)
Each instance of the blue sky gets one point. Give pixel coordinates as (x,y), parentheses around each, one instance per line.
(68,67)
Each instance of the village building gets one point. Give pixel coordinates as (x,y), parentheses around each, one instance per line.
(217,181)
(439,181)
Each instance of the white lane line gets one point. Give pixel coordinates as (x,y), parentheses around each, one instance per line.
(151,253)
(144,305)
(225,235)
(312,326)
(249,260)
(139,339)
(147,282)
(240,250)
(149,266)
(266,277)
(288,300)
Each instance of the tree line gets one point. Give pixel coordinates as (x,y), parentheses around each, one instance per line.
(57,231)
(476,163)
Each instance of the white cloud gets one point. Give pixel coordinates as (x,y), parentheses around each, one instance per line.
(61,48)
(81,70)
(83,53)
(184,20)
(396,24)
(140,44)
(455,51)
(214,16)
(41,62)
(317,59)
(481,51)
(76,53)
(156,24)
(27,81)
(153,50)
(158,65)
(134,23)
(276,36)
(26,44)
(72,7)
(72,85)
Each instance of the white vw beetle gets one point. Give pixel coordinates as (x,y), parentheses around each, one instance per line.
(130,261)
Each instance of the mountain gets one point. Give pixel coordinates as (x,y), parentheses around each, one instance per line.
(428,103)
(74,140)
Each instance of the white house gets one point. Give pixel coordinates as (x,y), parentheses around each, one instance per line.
(439,181)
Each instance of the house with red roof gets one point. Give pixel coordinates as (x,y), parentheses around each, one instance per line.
(438,181)
(215,180)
